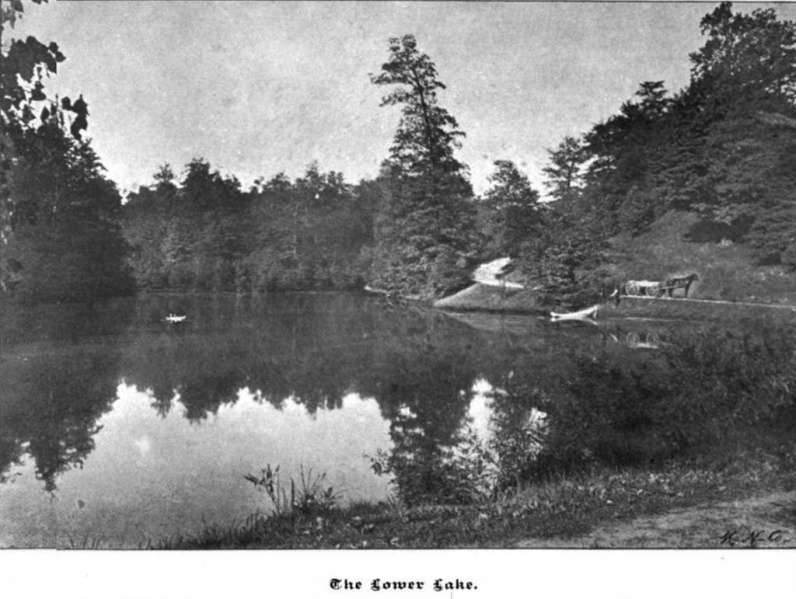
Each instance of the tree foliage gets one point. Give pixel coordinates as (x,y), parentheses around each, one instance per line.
(509,211)
(564,174)
(424,231)
(723,147)
(58,213)
(427,134)
(206,234)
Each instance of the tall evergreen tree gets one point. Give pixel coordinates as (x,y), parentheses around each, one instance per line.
(509,210)
(625,152)
(149,228)
(425,225)
(564,176)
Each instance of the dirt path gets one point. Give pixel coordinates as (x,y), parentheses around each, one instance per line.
(765,522)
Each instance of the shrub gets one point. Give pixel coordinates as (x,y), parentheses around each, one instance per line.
(703,387)
(307,498)
(458,475)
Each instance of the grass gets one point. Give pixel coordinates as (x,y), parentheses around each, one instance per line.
(728,272)
(561,507)
(662,308)
(87,542)
(484,298)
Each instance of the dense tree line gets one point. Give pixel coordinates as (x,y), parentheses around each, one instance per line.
(206,234)
(411,230)
(723,147)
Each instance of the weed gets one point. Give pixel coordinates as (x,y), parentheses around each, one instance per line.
(87,542)
(308,498)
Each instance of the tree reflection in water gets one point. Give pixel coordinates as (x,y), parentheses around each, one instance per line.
(419,366)
(61,367)
(55,389)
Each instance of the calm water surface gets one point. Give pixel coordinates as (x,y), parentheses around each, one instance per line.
(117,427)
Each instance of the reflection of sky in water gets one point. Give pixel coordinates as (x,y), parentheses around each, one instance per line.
(151,477)
(27,513)
(480,408)
(480,411)
(148,477)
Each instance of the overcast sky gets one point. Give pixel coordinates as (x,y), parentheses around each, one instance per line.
(257,88)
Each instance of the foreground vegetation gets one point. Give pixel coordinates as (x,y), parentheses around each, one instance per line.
(559,508)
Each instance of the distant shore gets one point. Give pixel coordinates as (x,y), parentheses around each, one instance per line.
(481,298)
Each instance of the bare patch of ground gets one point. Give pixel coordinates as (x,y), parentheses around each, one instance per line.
(758,522)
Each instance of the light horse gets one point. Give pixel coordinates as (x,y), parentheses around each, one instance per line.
(680,283)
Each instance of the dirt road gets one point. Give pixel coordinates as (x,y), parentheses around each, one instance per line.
(761,522)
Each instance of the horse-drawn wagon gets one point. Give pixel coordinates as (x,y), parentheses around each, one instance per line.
(660,288)
(643,288)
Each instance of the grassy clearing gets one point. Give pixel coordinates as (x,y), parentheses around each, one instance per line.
(728,272)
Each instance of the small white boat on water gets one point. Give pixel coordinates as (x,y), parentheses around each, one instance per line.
(175,318)
(586,315)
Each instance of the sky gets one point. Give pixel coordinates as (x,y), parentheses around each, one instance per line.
(259,88)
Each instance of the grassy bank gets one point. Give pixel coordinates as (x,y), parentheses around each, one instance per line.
(698,310)
(727,270)
(483,298)
(561,509)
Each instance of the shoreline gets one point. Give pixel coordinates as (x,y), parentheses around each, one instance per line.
(679,503)
(629,306)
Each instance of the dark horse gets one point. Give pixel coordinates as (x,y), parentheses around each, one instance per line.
(680,283)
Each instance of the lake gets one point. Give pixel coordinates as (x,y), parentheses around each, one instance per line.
(118,427)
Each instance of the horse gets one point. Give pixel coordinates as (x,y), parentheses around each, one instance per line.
(680,283)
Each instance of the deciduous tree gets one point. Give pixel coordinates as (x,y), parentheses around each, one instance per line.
(58,213)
